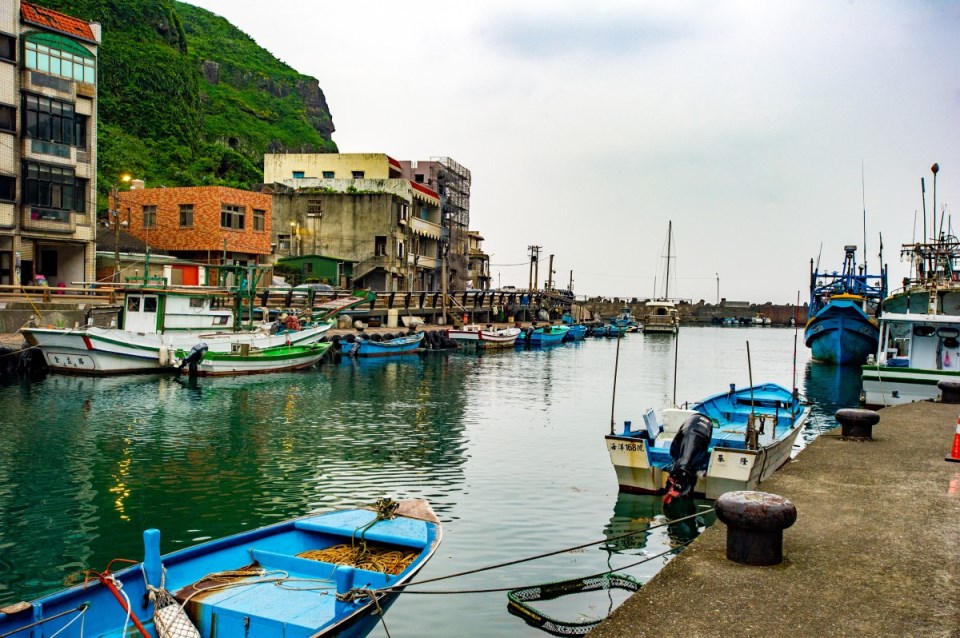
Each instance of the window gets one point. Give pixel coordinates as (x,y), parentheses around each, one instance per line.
(186,215)
(149,216)
(400,250)
(297,174)
(283,243)
(149,304)
(133,304)
(418,178)
(8,188)
(80,130)
(58,56)
(51,191)
(379,246)
(8,47)
(48,262)
(403,210)
(259,219)
(80,195)
(231,216)
(308,268)
(8,118)
(357,174)
(48,120)
(314,207)
(328,174)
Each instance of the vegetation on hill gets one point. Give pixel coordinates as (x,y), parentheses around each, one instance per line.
(187,99)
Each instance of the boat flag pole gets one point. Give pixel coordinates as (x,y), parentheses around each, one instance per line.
(751,441)
(676,354)
(616,364)
(796,330)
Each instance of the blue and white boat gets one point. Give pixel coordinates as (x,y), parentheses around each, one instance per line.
(729,441)
(625,320)
(368,347)
(329,574)
(841,328)
(576,332)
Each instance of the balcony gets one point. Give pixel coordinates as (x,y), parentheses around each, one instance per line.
(423,262)
(425,228)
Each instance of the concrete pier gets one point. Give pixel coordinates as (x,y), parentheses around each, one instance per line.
(875,550)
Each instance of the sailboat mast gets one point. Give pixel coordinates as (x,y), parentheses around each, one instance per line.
(666,283)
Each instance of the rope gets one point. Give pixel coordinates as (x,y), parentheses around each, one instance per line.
(548,554)
(80,610)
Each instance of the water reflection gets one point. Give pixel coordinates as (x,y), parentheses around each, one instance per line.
(829,388)
(634,515)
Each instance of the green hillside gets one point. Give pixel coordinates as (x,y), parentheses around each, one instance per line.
(187,99)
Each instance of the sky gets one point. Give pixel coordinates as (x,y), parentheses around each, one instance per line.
(768,133)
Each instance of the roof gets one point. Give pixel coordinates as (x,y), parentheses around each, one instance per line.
(56,21)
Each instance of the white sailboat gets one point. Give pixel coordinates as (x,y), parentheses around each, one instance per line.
(662,314)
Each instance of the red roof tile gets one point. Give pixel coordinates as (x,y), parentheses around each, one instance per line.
(50,19)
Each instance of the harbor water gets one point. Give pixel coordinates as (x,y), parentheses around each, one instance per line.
(507,446)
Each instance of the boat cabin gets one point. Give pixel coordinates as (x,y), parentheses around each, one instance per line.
(932,343)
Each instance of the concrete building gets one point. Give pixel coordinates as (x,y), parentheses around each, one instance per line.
(358,207)
(478,272)
(48,150)
(209,225)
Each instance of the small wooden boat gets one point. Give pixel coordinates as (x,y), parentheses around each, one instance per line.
(367,347)
(729,441)
(484,338)
(576,333)
(246,360)
(330,574)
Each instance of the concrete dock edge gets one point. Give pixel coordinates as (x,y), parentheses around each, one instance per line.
(875,550)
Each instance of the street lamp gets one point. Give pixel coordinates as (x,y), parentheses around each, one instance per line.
(115,213)
(295,238)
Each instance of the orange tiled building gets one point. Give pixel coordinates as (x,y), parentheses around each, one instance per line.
(206,224)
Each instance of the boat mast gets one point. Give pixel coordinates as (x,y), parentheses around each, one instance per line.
(666,283)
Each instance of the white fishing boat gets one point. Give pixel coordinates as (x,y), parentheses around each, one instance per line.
(484,338)
(919,344)
(246,360)
(155,322)
(730,441)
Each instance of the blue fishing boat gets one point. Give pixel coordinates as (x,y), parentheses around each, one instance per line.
(548,335)
(841,328)
(729,441)
(625,320)
(371,347)
(322,575)
(576,332)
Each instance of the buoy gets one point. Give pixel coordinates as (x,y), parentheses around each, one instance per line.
(164,353)
(955,452)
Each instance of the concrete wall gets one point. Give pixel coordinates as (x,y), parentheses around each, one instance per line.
(281,167)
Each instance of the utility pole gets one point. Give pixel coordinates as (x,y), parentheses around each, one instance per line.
(570,285)
(550,275)
(534,266)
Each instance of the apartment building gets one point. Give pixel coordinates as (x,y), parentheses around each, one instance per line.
(48,145)
(479,269)
(358,207)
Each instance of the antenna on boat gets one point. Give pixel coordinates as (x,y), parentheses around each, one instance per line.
(796,329)
(751,441)
(863,199)
(923,198)
(676,353)
(613,400)
(936,169)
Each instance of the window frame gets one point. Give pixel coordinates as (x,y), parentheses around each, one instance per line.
(11,118)
(184,211)
(233,216)
(149,216)
(259,219)
(50,191)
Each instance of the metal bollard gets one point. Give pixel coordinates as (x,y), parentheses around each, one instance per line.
(949,391)
(755,523)
(856,423)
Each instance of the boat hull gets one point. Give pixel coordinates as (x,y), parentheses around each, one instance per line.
(547,337)
(841,333)
(884,386)
(277,359)
(247,603)
(642,465)
(484,339)
(104,351)
(402,345)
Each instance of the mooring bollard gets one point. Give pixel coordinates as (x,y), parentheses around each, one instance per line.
(949,391)
(755,523)
(856,423)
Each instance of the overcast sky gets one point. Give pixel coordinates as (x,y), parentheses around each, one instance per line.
(761,129)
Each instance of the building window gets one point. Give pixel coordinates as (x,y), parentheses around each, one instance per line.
(8,47)
(8,188)
(231,216)
(60,57)
(48,120)
(308,267)
(418,178)
(399,250)
(51,191)
(379,246)
(259,219)
(80,130)
(283,243)
(186,215)
(8,118)
(357,174)
(403,211)
(328,174)
(297,174)
(149,216)
(314,207)
(80,195)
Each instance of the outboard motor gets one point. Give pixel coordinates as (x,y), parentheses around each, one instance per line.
(690,451)
(194,357)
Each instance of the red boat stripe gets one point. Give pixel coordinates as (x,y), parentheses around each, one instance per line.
(86,342)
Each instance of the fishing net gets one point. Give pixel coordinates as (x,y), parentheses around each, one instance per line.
(170,619)
(370,556)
